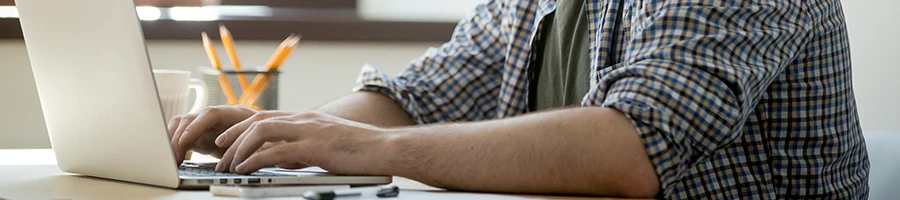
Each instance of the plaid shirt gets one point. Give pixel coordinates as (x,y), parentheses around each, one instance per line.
(731,98)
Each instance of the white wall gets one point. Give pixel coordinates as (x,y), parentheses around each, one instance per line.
(875,48)
(319,71)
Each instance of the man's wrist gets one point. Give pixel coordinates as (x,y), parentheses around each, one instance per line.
(388,151)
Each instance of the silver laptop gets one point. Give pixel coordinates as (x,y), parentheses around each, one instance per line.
(100,103)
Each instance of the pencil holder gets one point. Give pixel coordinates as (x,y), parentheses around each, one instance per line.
(268,100)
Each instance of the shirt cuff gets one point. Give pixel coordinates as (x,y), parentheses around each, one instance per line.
(651,123)
(374,80)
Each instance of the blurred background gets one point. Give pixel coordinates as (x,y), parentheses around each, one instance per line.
(340,36)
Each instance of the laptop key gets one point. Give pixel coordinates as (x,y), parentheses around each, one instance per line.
(211,172)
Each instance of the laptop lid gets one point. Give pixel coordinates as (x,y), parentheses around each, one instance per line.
(97,90)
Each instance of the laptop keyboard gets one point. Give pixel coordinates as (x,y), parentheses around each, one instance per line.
(196,171)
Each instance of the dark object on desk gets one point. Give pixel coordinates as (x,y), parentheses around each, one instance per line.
(383,192)
(389,191)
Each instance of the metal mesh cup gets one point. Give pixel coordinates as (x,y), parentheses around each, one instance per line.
(267,101)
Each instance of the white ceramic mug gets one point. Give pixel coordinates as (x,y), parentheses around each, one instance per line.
(174,90)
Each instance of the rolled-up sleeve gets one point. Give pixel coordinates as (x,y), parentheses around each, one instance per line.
(457,81)
(694,72)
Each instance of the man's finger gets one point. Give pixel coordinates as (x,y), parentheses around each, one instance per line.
(229,164)
(232,165)
(185,120)
(231,134)
(173,125)
(179,154)
(225,162)
(180,150)
(201,124)
(282,154)
(270,130)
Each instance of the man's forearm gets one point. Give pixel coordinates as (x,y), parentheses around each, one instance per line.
(593,151)
(370,108)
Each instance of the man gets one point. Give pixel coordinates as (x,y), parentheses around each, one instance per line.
(677,99)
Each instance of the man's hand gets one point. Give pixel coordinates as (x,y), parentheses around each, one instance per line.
(309,138)
(198,131)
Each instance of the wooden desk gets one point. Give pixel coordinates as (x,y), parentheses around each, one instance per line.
(32,174)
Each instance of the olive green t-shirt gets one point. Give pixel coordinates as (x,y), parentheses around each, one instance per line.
(561,70)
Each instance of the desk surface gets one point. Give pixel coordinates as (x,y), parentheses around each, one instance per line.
(31,174)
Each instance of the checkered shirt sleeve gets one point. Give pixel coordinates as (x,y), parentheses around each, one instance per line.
(458,81)
(695,70)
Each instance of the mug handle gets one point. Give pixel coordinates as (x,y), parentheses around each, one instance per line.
(201,90)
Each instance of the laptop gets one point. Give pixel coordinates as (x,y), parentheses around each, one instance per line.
(100,103)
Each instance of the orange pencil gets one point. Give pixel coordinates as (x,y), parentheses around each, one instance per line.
(262,81)
(214,60)
(257,92)
(259,77)
(228,42)
(273,61)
